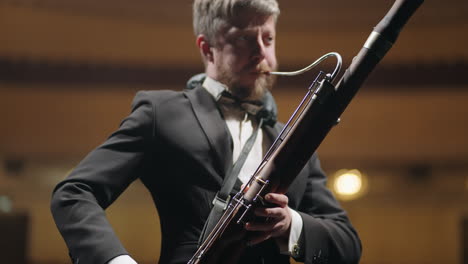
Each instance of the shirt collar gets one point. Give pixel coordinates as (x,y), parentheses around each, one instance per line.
(214,87)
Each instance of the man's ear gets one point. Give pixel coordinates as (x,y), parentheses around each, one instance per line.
(205,48)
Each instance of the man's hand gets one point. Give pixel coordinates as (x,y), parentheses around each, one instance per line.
(278,222)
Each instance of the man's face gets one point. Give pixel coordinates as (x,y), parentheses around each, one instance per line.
(242,52)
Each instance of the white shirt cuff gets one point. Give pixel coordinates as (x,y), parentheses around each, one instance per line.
(296,229)
(294,235)
(122,259)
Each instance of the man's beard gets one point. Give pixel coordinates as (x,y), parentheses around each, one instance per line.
(262,84)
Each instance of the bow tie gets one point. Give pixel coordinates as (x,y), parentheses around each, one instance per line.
(231,102)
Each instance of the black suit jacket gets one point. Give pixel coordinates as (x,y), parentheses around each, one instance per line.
(178,145)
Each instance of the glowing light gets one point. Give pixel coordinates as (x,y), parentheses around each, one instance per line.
(349,184)
(5,204)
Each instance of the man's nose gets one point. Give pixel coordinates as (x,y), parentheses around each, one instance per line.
(258,53)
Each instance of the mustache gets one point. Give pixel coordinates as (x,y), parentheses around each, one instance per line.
(265,69)
(260,68)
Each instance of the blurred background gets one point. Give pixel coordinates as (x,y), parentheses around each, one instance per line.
(69,71)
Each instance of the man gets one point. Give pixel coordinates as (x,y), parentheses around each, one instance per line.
(182,144)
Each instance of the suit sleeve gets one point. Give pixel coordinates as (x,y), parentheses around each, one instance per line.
(78,202)
(327,235)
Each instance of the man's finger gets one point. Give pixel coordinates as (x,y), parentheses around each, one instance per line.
(274,212)
(278,199)
(254,226)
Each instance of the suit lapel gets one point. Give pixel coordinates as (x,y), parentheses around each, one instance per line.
(272,132)
(213,125)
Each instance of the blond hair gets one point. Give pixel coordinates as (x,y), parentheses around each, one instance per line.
(209,16)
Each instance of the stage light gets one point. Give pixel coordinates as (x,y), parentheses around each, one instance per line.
(5,204)
(349,184)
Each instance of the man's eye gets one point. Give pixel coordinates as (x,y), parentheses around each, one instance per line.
(269,40)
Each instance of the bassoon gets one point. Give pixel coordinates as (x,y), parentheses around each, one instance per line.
(318,112)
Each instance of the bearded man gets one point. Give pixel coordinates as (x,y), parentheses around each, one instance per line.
(182,144)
